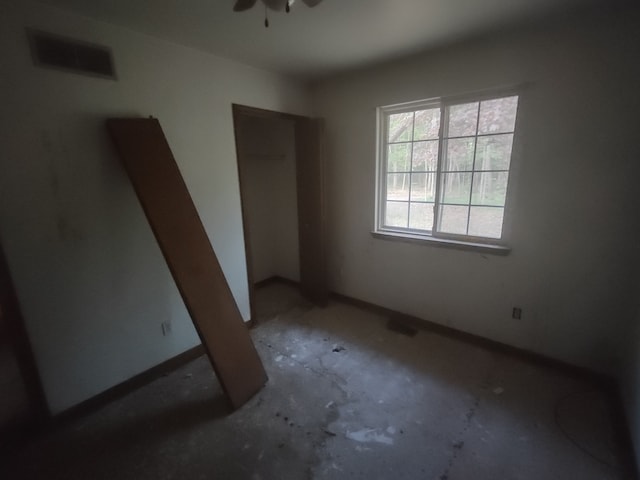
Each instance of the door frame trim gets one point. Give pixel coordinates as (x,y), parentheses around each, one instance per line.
(247,111)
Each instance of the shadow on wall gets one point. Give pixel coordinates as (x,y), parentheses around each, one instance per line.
(91,265)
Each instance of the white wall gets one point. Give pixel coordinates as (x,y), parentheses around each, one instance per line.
(267,152)
(630,382)
(575,191)
(91,281)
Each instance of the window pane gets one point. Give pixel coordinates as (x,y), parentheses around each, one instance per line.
(399,157)
(425,156)
(463,119)
(499,115)
(398,186)
(421,216)
(459,154)
(494,152)
(400,127)
(397,214)
(423,187)
(486,222)
(453,219)
(489,188)
(456,188)
(427,124)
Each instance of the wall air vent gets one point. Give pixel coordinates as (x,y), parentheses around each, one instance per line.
(49,50)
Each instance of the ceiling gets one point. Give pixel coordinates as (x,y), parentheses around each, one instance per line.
(334,36)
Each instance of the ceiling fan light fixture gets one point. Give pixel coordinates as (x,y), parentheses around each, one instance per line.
(242,5)
(277,5)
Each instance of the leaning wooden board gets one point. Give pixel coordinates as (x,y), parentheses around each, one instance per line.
(183,240)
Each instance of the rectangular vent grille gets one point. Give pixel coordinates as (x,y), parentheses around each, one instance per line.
(50,50)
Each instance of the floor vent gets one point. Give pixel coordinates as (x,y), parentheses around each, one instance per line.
(49,50)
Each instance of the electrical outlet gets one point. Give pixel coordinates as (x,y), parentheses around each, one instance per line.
(516,313)
(166,328)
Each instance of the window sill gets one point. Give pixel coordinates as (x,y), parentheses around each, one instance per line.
(442,242)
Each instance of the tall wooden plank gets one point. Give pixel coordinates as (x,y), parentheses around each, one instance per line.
(311,211)
(176,225)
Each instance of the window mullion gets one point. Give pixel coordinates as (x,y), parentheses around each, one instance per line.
(413,128)
(441,134)
(488,226)
(473,167)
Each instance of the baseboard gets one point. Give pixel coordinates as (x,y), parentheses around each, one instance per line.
(606,382)
(266,282)
(147,376)
(94,403)
(469,338)
(275,279)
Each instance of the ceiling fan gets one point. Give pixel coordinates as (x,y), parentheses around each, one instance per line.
(278,5)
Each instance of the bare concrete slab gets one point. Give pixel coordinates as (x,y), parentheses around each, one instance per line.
(347,398)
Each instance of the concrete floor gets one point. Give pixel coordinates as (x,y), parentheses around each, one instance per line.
(347,398)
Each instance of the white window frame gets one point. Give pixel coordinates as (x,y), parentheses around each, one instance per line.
(494,245)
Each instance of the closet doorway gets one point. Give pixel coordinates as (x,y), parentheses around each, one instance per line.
(281,172)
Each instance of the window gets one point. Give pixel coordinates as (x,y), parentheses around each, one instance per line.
(443,168)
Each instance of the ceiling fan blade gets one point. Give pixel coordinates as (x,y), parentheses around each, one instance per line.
(275,4)
(242,5)
(311,3)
